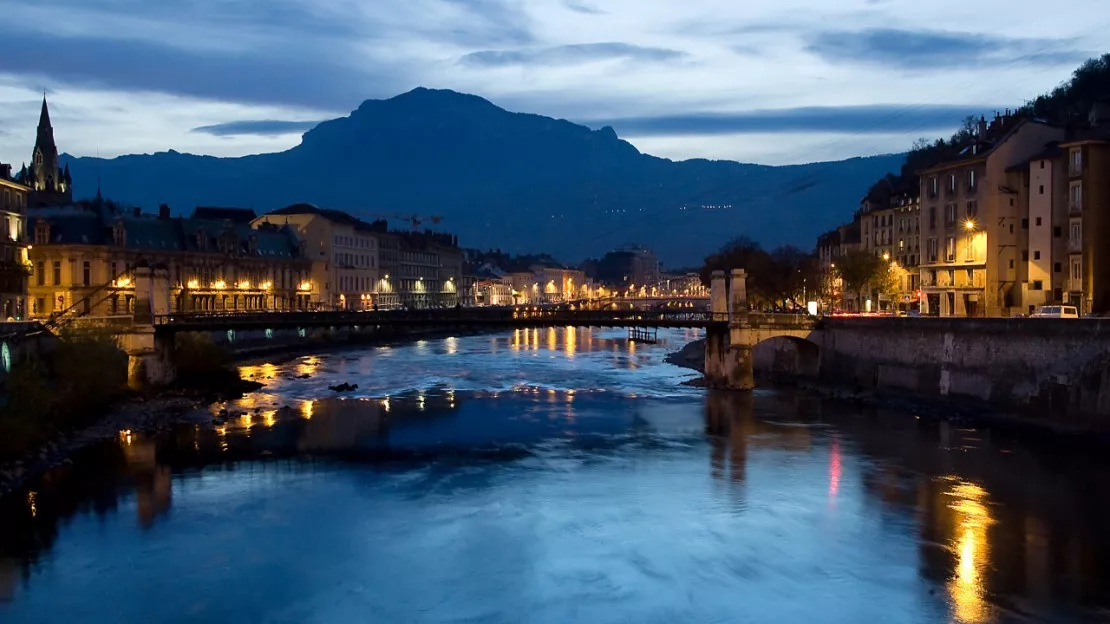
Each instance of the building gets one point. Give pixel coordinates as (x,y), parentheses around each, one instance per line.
(632,265)
(1085,160)
(889,228)
(419,269)
(345,252)
(50,185)
(971,222)
(84,254)
(15,263)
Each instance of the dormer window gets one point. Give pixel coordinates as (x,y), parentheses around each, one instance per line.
(119,233)
(42,232)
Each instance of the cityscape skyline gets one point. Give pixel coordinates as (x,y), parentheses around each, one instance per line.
(773,83)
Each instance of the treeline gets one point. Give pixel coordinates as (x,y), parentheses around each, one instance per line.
(779,279)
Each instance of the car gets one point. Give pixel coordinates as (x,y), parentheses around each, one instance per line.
(1056,311)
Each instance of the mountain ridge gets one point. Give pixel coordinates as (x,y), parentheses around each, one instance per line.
(519,182)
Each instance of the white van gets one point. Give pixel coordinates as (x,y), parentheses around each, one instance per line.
(1056,312)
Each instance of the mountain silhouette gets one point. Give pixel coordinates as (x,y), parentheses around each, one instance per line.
(514,181)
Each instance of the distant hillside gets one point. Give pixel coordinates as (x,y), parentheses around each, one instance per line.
(518,182)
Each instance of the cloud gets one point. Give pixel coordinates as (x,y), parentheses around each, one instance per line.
(924,49)
(581,7)
(570,55)
(870,119)
(259,127)
(308,78)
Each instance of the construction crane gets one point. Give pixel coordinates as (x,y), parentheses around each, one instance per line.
(414,219)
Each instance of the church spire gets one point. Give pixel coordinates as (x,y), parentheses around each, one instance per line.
(46,131)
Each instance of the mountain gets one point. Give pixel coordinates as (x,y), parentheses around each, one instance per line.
(518,182)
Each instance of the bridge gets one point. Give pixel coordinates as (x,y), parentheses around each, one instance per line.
(731,329)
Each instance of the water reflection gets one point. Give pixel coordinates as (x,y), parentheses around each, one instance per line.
(972,550)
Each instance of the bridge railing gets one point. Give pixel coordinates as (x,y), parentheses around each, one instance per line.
(507,316)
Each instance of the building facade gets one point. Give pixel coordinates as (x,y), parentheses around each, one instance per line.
(15,263)
(345,253)
(84,256)
(1085,163)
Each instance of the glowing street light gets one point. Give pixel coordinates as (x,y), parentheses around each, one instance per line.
(969,225)
(886,256)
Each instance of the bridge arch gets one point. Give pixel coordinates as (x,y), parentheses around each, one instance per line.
(786,354)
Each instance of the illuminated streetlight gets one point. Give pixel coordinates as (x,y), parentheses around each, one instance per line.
(969,225)
(886,256)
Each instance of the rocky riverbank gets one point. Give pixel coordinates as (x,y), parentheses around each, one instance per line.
(138,414)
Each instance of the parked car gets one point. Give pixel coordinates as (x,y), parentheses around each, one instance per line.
(1056,312)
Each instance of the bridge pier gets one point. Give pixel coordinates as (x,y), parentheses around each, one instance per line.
(728,352)
(149,354)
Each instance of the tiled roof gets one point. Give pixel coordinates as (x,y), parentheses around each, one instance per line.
(93,223)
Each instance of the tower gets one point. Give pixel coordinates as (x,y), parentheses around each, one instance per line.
(49,182)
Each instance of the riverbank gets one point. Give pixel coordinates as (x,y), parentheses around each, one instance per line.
(1076,429)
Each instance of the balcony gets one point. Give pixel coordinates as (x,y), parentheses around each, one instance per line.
(1075,207)
(1075,245)
(1075,169)
(1074,285)
(962,280)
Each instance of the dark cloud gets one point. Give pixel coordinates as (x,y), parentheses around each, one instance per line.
(876,119)
(582,7)
(307,76)
(260,127)
(926,50)
(569,55)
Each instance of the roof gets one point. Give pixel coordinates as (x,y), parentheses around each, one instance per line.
(93,223)
(236,215)
(1099,133)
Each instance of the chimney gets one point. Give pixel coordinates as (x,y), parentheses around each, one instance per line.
(1100,114)
(138,211)
(981,127)
(163,212)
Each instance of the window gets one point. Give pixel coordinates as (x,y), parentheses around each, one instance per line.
(86,273)
(1038,221)
(952,183)
(1025,224)
(1011,228)
(971,180)
(1025,256)
(901,244)
(1037,285)
(1076,233)
(40,305)
(1042,164)
(1075,196)
(1057,268)
(1036,255)
(40,273)
(57,272)
(1076,270)
(950,248)
(950,214)
(1076,160)
(933,185)
(1042,190)
(1011,263)
(932,217)
(969,251)
(1056,232)
(972,209)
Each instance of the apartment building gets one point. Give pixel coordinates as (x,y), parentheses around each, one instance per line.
(1085,161)
(15,264)
(83,256)
(971,218)
(344,250)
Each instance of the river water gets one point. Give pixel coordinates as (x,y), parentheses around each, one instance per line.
(555,476)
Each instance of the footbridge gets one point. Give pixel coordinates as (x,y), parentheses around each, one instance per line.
(731,330)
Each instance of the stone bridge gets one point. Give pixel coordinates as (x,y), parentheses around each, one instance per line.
(728,346)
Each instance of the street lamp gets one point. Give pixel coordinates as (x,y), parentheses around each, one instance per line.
(969,225)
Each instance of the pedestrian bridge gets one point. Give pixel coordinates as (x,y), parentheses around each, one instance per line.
(731,329)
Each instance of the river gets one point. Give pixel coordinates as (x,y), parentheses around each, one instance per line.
(555,476)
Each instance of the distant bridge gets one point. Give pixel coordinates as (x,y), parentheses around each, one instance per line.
(470,317)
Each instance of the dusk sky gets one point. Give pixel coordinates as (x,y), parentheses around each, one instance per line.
(767,81)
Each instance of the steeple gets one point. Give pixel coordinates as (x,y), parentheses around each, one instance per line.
(46,131)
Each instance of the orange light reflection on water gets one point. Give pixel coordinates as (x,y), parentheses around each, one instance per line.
(972,552)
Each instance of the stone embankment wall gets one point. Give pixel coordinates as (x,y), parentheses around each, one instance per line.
(1040,362)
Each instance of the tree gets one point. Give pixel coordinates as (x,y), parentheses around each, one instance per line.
(859,269)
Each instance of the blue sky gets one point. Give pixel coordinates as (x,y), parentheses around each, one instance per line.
(768,81)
